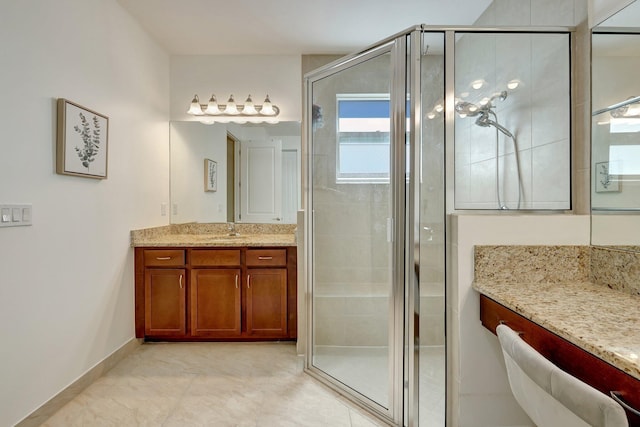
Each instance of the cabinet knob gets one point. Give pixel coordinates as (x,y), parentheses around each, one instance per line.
(248,281)
(265,257)
(163,258)
(181,281)
(236,281)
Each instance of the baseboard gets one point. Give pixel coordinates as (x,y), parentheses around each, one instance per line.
(54,404)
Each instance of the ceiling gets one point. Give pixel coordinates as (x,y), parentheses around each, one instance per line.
(289,27)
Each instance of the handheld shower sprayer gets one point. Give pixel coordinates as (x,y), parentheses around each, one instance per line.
(484,121)
(487,117)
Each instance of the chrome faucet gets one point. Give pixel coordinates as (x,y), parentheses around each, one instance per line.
(231,227)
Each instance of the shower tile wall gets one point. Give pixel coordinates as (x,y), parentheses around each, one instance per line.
(351,281)
(432,250)
(351,290)
(537,112)
(531,13)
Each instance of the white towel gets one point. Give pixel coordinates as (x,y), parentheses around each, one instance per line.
(550,396)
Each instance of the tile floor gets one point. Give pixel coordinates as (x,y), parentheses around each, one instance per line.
(365,369)
(210,384)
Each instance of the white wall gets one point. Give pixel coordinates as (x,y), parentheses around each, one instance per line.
(278,76)
(478,376)
(66,283)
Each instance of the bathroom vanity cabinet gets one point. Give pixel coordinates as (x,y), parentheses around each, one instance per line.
(216,294)
(566,355)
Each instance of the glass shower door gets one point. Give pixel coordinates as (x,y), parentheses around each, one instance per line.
(351,199)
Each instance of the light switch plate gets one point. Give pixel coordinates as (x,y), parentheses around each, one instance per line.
(15,215)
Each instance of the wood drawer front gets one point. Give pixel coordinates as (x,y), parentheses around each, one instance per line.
(567,356)
(163,257)
(215,257)
(266,257)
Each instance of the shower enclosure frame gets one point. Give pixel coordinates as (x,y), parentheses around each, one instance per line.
(390,45)
(406,49)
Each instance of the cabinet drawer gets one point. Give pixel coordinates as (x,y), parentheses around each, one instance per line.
(215,257)
(266,257)
(163,257)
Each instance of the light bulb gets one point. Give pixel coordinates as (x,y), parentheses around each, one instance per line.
(477,84)
(484,101)
(267,108)
(212,106)
(249,108)
(195,108)
(431,115)
(439,108)
(231,107)
(513,84)
(473,108)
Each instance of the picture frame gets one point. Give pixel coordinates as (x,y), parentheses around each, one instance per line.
(210,175)
(82,142)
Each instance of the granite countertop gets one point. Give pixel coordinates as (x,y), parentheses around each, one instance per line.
(602,321)
(214,235)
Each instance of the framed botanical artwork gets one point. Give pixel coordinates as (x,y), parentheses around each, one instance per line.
(210,175)
(82,141)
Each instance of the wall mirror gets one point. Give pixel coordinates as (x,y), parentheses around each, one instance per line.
(227,172)
(615,130)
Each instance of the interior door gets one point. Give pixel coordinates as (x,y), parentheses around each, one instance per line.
(260,181)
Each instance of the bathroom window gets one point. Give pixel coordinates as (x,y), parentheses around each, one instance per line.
(363,138)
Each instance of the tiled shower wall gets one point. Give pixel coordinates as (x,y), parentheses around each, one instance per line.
(352,255)
(432,247)
(351,290)
(537,113)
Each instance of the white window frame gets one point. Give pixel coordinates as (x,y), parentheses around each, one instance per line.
(364,177)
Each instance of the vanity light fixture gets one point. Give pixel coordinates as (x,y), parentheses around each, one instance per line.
(232,112)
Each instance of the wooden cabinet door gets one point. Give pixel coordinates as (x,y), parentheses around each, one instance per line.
(215,303)
(266,303)
(165,302)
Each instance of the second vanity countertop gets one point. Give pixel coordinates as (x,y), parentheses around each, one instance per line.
(215,235)
(602,321)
